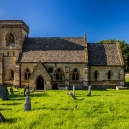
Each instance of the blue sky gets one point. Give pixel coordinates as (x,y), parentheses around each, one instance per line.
(100,19)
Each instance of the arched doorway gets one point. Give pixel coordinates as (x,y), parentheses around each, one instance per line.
(40,83)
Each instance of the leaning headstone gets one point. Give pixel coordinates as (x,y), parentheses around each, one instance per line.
(73,90)
(26,87)
(2,119)
(11,91)
(89,90)
(27,103)
(71,94)
(66,90)
(3,93)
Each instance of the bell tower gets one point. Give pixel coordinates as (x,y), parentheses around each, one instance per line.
(12,36)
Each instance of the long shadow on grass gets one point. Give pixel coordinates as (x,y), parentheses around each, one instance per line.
(99,90)
(14,98)
(11,104)
(5,109)
(95,95)
(80,99)
(49,108)
(10,120)
(39,95)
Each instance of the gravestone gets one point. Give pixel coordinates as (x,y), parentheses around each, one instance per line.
(89,90)
(27,103)
(27,93)
(66,90)
(11,91)
(75,107)
(26,87)
(6,90)
(2,119)
(73,90)
(3,93)
(71,94)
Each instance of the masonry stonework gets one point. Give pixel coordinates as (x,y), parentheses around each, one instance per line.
(48,63)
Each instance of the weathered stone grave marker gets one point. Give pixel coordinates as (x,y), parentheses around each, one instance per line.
(66,90)
(2,119)
(3,93)
(89,90)
(73,90)
(27,103)
(71,94)
(26,87)
(75,107)
(11,91)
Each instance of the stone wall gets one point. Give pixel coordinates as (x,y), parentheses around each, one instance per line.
(117,76)
(11,54)
(66,68)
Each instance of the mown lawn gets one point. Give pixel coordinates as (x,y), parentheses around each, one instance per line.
(104,109)
(127,81)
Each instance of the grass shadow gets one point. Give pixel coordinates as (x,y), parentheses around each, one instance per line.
(64,109)
(80,99)
(39,95)
(5,109)
(99,89)
(96,95)
(10,120)
(10,104)
(15,99)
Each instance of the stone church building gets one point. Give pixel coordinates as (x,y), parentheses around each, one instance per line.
(49,63)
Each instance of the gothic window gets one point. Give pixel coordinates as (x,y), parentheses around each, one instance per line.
(75,74)
(96,73)
(10,40)
(11,74)
(109,74)
(59,74)
(7,53)
(27,74)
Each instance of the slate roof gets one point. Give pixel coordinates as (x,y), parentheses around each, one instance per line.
(53,50)
(103,54)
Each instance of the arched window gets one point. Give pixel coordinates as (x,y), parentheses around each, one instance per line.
(27,74)
(96,73)
(11,74)
(10,40)
(59,74)
(75,74)
(109,74)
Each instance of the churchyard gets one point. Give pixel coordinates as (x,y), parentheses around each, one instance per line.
(56,109)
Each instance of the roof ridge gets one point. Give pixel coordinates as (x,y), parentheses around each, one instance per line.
(54,37)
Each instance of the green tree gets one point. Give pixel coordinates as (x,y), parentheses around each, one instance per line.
(124,49)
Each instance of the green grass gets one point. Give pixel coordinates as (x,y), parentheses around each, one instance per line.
(127,81)
(53,109)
